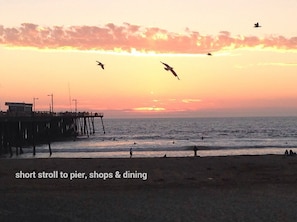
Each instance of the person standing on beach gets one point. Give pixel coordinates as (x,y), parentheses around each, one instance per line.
(131,152)
(195,150)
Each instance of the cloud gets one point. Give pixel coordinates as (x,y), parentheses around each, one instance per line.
(127,37)
(191,100)
(149,109)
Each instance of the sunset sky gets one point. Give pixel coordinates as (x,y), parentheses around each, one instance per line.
(51,47)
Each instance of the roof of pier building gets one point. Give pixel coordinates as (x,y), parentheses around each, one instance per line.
(19,107)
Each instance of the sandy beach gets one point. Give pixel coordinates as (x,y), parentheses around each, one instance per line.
(232,188)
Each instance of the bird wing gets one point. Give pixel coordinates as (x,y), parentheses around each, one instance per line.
(100,64)
(174,73)
(168,66)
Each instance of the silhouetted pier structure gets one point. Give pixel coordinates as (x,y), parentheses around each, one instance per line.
(27,129)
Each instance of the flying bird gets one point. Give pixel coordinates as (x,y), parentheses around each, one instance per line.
(100,64)
(169,68)
(257,25)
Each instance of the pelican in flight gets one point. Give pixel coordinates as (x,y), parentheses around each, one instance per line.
(100,64)
(169,68)
(257,25)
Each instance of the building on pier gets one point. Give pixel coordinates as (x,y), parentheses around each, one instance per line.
(19,108)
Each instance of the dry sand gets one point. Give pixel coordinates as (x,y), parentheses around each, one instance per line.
(235,188)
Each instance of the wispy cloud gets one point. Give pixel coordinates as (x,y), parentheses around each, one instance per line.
(147,109)
(128,37)
(191,100)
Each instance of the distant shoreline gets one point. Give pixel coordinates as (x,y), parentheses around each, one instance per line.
(146,153)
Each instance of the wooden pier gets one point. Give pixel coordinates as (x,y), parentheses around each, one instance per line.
(18,130)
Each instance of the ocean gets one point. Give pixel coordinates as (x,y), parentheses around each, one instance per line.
(177,137)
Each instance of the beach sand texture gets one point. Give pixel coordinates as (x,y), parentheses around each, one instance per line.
(232,188)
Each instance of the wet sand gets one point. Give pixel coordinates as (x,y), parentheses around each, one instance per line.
(233,188)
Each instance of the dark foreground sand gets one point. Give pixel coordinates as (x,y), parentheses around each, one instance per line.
(239,188)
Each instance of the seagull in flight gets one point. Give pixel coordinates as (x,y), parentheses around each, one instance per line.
(257,25)
(100,64)
(169,68)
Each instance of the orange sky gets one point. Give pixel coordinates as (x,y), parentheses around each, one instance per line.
(251,71)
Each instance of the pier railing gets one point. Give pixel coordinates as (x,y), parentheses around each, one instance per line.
(49,114)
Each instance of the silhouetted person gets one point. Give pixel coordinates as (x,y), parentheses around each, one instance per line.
(195,150)
(131,153)
(292,153)
(286,153)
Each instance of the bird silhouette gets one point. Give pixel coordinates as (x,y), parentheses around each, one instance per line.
(169,68)
(209,54)
(257,25)
(100,64)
